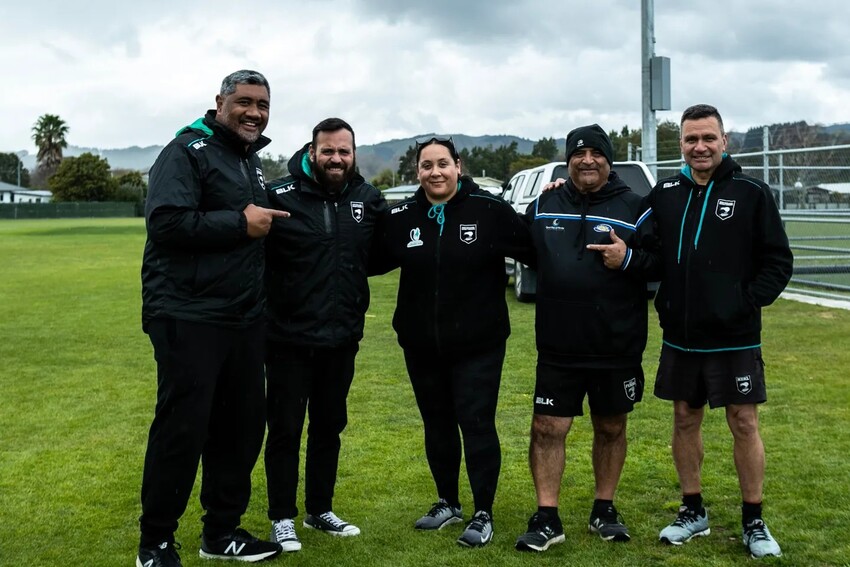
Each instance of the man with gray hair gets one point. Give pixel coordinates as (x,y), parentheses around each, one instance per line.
(202,307)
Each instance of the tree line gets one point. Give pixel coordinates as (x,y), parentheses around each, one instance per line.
(88,177)
(504,161)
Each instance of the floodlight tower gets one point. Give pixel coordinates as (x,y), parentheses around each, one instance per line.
(655,83)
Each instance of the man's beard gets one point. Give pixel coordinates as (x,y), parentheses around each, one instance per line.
(331,184)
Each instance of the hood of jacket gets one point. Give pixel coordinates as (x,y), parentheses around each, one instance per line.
(726,168)
(583,201)
(209,126)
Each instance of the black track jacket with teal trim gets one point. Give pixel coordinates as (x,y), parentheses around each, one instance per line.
(316,260)
(451,293)
(725,256)
(590,316)
(199,262)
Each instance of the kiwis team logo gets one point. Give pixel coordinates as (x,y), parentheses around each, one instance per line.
(357,210)
(468,233)
(725,209)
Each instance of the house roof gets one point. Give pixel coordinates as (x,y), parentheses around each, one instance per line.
(833,187)
(8,187)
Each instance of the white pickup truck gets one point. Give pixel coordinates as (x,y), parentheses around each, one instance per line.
(524,187)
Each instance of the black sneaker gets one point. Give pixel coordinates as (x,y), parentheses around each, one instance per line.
(543,532)
(609,526)
(478,532)
(330,523)
(163,555)
(239,545)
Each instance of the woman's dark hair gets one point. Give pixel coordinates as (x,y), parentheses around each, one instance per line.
(445,141)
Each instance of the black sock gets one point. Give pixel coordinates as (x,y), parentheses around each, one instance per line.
(550,512)
(693,502)
(601,507)
(750,512)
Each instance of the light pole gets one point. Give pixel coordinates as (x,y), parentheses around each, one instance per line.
(655,85)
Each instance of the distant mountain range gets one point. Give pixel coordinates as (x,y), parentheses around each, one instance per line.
(371,159)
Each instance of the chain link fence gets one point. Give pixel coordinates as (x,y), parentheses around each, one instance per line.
(812,190)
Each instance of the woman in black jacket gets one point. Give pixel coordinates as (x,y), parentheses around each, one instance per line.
(450,239)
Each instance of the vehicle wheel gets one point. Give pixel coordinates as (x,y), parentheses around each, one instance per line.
(519,276)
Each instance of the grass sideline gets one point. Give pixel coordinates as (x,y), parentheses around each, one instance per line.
(77,391)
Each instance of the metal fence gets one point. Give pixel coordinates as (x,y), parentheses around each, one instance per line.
(812,190)
(68,210)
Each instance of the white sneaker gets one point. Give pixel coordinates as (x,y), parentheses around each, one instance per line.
(283,532)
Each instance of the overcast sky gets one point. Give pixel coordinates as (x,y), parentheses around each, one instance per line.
(131,73)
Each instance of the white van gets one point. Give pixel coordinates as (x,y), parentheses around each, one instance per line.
(524,187)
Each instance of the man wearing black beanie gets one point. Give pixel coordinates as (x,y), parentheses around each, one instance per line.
(591,327)
(592,136)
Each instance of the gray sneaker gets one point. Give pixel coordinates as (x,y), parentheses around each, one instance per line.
(478,532)
(439,516)
(758,540)
(688,525)
(283,532)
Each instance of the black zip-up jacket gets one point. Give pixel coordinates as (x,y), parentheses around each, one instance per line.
(199,262)
(451,294)
(725,256)
(316,260)
(588,315)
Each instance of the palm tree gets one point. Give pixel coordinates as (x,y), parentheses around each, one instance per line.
(49,136)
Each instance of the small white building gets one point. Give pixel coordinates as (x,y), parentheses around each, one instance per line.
(13,194)
(400,193)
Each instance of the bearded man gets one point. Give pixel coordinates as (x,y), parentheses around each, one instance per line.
(317,299)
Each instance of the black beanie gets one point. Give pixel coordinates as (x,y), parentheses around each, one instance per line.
(592,136)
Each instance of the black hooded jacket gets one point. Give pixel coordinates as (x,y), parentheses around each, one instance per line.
(316,260)
(725,256)
(451,293)
(199,262)
(590,316)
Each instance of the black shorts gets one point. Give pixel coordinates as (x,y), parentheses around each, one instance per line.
(560,391)
(719,378)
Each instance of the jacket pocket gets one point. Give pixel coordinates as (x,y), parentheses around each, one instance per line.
(717,302)
(217,276)
(572,327)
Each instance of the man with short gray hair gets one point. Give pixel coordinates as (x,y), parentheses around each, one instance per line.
(202,307)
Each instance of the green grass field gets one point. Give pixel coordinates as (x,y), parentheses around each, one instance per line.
(77,391)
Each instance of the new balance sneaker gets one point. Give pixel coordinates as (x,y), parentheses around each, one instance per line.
(239,545)
(162,555)
(330,523)
(543,532)
(687,525)
(609,526)
(478,532)
(283,533)
(439,516)
(758,540)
